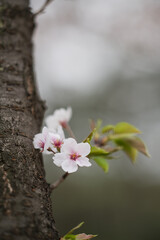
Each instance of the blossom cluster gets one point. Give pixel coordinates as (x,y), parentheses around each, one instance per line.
(68,154)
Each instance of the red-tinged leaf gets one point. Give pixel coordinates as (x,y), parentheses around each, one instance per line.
(84,236)
(92,124)
(139,145)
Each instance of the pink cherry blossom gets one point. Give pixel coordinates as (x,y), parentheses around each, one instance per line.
(40,139)
(55,140)
(59,117)
(72,155)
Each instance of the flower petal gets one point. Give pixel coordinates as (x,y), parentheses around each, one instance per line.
(63,115)
(83,162)
(69,166)
(48,145)
(52,122)
(45,131)
(83,149)
(60,132)
(59,158)
(38,141)
(69,113)
(69,146)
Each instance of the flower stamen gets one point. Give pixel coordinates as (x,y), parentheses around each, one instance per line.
(58,143)
(74,156)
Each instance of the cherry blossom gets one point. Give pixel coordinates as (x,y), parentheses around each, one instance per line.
(40,139)
(72,155)
(55,140)
(59,117)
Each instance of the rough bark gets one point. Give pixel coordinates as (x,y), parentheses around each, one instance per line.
(25,205)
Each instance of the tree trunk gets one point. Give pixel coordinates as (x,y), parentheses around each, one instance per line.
(25,204)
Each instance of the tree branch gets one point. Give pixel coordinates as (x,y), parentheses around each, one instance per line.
(69,130)
(47,2)
(59,181)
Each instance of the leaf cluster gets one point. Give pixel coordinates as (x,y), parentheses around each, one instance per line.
(112,138)
(81,236)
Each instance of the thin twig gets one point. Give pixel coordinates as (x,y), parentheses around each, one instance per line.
(69,130)
(59,181)
(50,150)
(42,8)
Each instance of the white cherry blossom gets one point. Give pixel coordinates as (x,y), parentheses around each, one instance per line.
(59,117)
(72,155)
(55,140)
(40,139)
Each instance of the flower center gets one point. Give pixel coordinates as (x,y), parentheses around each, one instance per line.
(58,143)
(74,156)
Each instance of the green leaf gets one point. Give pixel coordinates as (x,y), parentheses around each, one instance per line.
(124,127)
(107,128)
(97,151)
(69,237)
(121,136)
(101,162)
(139,145)
(73,229)
(84,236)
(127,148)
(90,136)
(130,140)
(110,157)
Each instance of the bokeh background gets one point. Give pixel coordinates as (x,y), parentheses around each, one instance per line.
(102,58)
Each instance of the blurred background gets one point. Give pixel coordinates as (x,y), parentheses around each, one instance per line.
(102,58)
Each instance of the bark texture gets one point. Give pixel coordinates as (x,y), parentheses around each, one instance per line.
(25,205)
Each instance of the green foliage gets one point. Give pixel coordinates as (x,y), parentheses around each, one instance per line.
(90,136)
(124,135)
(130,144)
(97,151)
(121,136)
(81,236)
(124,127)
(75,228)
(100,156)
(107,128)
(127,148)
(101,162)
(138,144)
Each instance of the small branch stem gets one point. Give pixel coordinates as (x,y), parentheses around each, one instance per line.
(42,8)
(59,181)
(69,130)
(51,150)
